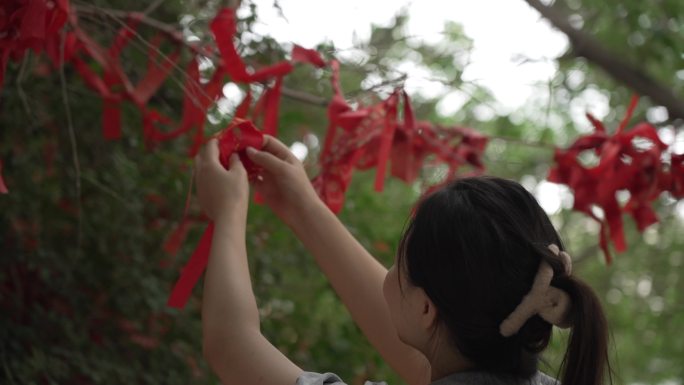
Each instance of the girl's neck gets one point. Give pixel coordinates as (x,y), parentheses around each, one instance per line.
(445,360)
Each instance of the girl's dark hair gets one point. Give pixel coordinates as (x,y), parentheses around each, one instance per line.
(475,246)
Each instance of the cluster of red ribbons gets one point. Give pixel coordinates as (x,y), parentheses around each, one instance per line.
(371,136)
(20,29)
(625,165)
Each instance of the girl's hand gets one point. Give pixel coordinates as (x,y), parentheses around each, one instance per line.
(221,193)
(283,183)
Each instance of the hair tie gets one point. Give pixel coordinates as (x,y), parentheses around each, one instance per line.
(551,303)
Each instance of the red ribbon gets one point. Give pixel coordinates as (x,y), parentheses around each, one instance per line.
(223,27)
(304,55)
(676,176)
(192,271)
(3,186)
(386,139)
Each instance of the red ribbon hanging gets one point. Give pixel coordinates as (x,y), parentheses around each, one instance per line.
(305,55)
(192,271)
(3,186)
(336,163)
(403,155)
(676,176)
(386,139)
(224,28)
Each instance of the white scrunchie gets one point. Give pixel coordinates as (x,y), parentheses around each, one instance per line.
(551,303)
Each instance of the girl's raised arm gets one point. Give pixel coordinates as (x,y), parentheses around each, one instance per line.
(232,342)
(355,275)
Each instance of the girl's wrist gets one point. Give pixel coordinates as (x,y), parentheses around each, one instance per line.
(233,215)
(306,214)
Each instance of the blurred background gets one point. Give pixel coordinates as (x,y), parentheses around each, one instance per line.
(83,286)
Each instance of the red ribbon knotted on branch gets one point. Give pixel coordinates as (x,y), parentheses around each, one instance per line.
(371,136)
(624,166)
(235,138)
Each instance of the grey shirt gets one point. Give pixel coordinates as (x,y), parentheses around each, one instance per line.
(462,378)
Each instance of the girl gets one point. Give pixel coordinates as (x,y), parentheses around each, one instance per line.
(479,281)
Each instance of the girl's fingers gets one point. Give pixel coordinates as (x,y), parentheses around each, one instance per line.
(236,164)
(266,160)
(210,152)
(278,148)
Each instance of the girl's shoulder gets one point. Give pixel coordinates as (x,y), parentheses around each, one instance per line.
(461,378)
(486,378)
(311,378)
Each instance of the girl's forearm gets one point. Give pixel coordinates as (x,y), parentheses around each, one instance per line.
(233,344)
(229,305)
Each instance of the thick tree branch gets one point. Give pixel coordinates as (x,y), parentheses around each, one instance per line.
(584,45)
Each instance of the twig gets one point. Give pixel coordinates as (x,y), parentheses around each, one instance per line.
(7,370)
(304,97)
(523,142)
(152,7)
(107,190)
(74,147)
(400,80)
(20,87)
(634,77)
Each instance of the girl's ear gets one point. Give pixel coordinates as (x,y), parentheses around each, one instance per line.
(428,315)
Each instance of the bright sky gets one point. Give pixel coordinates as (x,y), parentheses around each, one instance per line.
(503,31)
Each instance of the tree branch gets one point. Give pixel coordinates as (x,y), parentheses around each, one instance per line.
(305,97)
(584,45)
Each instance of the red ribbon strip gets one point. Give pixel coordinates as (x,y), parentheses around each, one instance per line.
(3,186)
(675,178)
(304,55)
(192,271)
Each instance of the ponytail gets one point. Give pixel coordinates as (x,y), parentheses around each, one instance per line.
(586,359)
